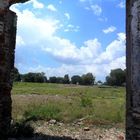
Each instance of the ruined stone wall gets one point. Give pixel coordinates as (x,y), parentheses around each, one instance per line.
(7,47)
(133,69)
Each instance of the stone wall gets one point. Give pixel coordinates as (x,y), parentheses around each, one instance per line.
(133,69)
(7,47)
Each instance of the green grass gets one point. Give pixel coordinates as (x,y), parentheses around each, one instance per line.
(60,89)
(68,103)
(49,111)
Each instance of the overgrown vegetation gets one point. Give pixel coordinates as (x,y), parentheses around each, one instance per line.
(67,103)
(117,77)
(85,79)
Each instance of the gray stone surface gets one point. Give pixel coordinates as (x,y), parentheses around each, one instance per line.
(7,50)
(8,20)
(133,69)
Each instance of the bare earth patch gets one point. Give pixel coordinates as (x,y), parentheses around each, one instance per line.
(60,131)
(79,132)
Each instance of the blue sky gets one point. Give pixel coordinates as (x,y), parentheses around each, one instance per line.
(70,37)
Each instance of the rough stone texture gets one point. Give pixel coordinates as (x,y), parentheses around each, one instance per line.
(133,69)
(7,47)
(5,4)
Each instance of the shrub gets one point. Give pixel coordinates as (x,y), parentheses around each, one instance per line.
(48,112)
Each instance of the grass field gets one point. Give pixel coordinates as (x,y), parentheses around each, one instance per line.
(67,103)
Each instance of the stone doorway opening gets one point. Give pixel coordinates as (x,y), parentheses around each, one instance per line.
(7,37)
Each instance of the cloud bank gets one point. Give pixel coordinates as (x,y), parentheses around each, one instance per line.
(36,34)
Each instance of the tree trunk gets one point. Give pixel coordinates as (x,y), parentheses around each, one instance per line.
(133,69)
(7,46)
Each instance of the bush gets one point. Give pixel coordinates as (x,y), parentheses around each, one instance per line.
(48,112)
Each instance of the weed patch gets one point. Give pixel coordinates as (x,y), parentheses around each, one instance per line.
(49,111)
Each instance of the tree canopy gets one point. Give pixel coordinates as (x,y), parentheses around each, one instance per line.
(34,77)
(85,79)
(117,77)
(15,75)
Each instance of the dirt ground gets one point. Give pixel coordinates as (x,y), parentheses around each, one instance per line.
(53,130)
(79,132)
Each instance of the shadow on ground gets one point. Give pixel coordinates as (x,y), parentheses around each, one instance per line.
(24,131)
(42,137)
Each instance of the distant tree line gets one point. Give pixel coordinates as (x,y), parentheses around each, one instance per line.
(29,77)
(85,79)
(117,77)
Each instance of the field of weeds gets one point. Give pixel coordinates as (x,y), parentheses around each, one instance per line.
(68,103)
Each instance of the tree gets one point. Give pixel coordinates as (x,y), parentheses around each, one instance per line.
(40,77)
(66,79)
(76,79)
(15,75)
(60,80)
(29,77)
(117,77)
(99,82)
(34,77)
(88,79)
(53,79)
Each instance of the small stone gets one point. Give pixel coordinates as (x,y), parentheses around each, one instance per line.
(86,128)
(80,123)
(76,136)
(52,121)
(120,137)
(60,124)
(82,119)
(100,136)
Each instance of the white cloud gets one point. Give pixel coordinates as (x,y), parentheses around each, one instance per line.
(96,9)
(51,8)
(19,41)
(109,29)
(60,2)
(103,19)
(33,29)
(121,4)
(114,50)
(36,33)
(118,63)
(36,4)
(92,6)
(58,71)
(67,15)
(90,52)
(70,53)
(71,28)
(100,71)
